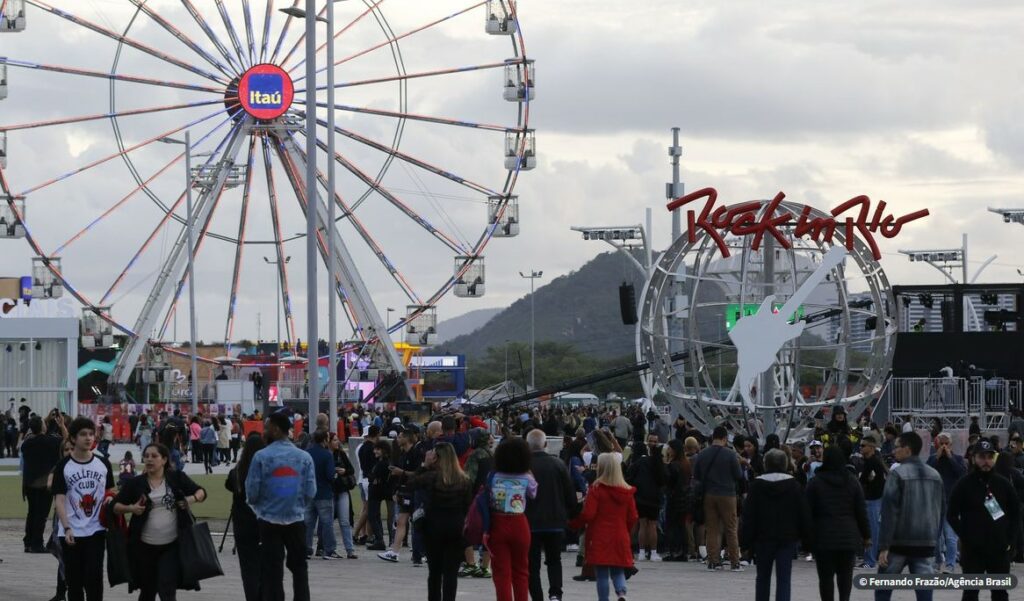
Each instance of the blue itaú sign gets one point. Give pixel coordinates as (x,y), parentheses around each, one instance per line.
(266,91)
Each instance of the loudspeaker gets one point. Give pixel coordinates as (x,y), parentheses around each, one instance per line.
(949,316)
(627,303)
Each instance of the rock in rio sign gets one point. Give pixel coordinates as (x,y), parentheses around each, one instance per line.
(266,92)
(742,220)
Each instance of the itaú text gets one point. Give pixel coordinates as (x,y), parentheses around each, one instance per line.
(742,220)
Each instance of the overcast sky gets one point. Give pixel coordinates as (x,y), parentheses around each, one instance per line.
(913,102)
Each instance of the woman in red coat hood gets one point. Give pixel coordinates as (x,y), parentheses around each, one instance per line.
(609,515)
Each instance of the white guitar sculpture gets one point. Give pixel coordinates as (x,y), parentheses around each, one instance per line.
(759,337)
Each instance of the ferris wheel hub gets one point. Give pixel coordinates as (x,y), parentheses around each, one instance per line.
(264,91)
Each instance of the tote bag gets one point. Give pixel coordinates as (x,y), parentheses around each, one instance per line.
(197,553)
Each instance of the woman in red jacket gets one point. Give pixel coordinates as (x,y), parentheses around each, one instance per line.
(609,515)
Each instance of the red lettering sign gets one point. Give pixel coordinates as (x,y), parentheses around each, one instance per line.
(742,220)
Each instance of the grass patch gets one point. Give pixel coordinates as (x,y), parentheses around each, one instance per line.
(217,504)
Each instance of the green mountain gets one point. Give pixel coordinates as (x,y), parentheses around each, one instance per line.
(580,309)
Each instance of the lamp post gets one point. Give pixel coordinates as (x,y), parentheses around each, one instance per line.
(309,14)
(534,275)
(194,388)
(312,338)
(276,263)
(332,317)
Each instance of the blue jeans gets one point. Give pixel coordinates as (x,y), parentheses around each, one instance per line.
(874,522)
(945,548)
(321,511)
(342,503)
(779,555)
(916,565)
(618,577)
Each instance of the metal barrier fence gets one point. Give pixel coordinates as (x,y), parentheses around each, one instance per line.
(954,401)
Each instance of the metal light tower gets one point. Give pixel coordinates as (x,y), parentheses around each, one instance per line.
(189,181)
(1010,215)
(946,261)
(534,275)
(332,337)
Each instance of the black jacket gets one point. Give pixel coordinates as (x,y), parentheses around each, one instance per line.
(972,522)
(180,486)
(838,511)
(775,510)
(679,490)
(872,477)
(556,496)
(647,474)
(41,453)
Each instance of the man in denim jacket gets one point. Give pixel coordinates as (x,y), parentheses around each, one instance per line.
(280,485)
(913,510)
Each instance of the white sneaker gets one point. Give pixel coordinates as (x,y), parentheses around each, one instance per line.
(572,549)
(809,557)
(703,550)
(389,556)
(655,556)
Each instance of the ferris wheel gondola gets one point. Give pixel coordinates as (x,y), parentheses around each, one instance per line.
(231,77)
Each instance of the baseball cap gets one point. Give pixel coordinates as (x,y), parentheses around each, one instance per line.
(396,420)
(869,439)
(984,446)
(815,443)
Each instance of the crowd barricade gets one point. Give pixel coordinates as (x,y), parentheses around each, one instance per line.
(251,425)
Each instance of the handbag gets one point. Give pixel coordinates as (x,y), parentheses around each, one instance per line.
(478,520)
(197,555)
(118,568)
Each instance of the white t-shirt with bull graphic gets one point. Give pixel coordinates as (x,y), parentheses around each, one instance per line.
(84,486)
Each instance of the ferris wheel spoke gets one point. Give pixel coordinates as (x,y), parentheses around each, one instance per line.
(97,162)
(446,239)
(302,38)
(131,194)
(163,220)
(416,117)
(338,34)
(249,34)
(196,249)
(282,263)
(116,205)
(210,35)
(184,39)
(105,75)
(348,213)
(239,248)
(397,38)
(266,29)
(232,32)
(408,76)
(128,113)
(126,40)
(299,189)
(284,33)
(412,160)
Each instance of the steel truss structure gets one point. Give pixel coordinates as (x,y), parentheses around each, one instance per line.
(396,202)
(849,366)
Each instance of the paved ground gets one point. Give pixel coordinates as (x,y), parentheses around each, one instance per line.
(26,577)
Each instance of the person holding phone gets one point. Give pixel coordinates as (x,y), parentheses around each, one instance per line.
(158,500)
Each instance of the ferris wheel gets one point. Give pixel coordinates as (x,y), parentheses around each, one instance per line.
(432,133)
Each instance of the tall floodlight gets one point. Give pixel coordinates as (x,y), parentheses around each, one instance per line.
(534,275)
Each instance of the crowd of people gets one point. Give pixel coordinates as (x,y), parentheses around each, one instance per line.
(626,487)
